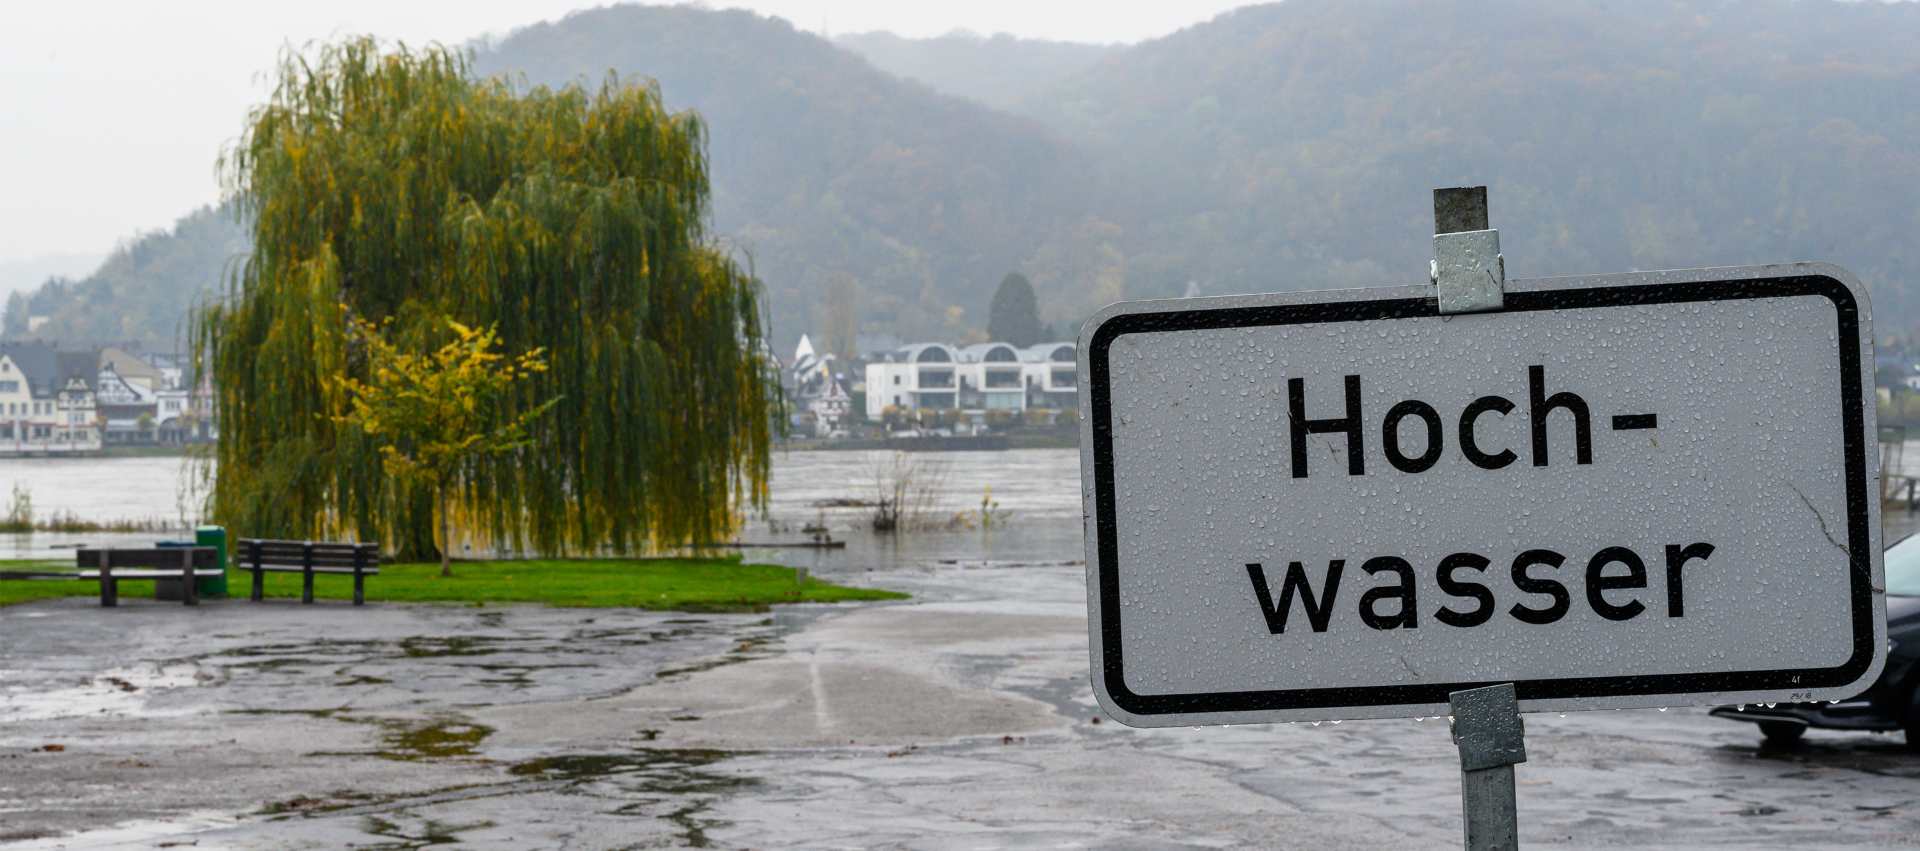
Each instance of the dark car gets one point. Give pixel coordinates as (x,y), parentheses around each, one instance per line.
(1891,703)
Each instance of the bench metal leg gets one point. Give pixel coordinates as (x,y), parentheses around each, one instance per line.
(306,574)
(190,584)
(109,588)
(259,576)
(359,578)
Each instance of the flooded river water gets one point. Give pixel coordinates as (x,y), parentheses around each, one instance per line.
(1036,511)
(1035,494)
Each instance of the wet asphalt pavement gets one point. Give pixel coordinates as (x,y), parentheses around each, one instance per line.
(958,720)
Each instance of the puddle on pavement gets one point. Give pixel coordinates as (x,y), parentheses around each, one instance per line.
(275,657)
(420,647)
(676,787)
(1885,755)
(677,763)
(743,653)
(117,691)
(423,835)
(444,738)
(143,834)
(449,739)
(363,681)
(537,659)
(671,785)
(281,655)
(335,800)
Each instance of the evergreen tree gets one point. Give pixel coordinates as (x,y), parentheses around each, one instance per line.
(14,320)
(842,318)
(1014,316)
(400,188)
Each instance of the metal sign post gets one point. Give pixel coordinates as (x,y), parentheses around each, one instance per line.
(1603,492)
(1470,276)
(1487,728)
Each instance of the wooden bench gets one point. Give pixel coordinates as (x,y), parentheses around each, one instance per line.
(307,558)
(110,567)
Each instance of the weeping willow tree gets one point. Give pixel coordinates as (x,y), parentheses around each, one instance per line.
(400,187)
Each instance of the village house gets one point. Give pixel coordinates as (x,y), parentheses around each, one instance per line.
(816,384)
(149,399)
(46,401)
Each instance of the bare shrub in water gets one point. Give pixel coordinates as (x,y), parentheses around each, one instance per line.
(20,512)
(907,491)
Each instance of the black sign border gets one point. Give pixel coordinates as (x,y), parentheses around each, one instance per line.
(1859,539)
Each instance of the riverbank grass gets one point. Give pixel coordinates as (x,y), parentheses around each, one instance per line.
(26,590)
(678,584)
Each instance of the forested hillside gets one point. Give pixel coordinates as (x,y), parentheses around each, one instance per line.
(1293,146)
(140,292)
(829,172)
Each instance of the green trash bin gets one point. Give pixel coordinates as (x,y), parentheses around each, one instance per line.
(210,587)
(216,537)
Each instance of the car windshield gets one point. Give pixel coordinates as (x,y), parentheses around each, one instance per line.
(1903,567)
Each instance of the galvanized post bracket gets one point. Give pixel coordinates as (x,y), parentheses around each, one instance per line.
(1468,269)
(1486,726)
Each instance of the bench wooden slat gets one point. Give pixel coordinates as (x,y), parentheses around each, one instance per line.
(319,556)
(141,573)
(246,562)
(330,551)
(369,570)
(154,557)
(340,555)
(297,546)
(261,557)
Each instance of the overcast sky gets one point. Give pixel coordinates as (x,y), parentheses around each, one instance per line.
(115,112)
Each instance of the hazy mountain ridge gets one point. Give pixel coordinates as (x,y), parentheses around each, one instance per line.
(1293,146)
(997,70)
(1281,147)
(824,167)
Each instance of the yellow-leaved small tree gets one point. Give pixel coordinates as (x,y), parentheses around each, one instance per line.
(435,414)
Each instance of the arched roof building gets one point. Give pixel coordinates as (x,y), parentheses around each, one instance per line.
(981,377)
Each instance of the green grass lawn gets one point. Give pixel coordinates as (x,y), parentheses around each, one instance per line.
(22,590)
(699,584)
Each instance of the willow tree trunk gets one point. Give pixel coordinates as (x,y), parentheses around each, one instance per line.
(446,539)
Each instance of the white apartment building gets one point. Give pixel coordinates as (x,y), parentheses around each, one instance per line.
(983,377)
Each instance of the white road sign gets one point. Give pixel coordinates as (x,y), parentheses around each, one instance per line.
(1653,489)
